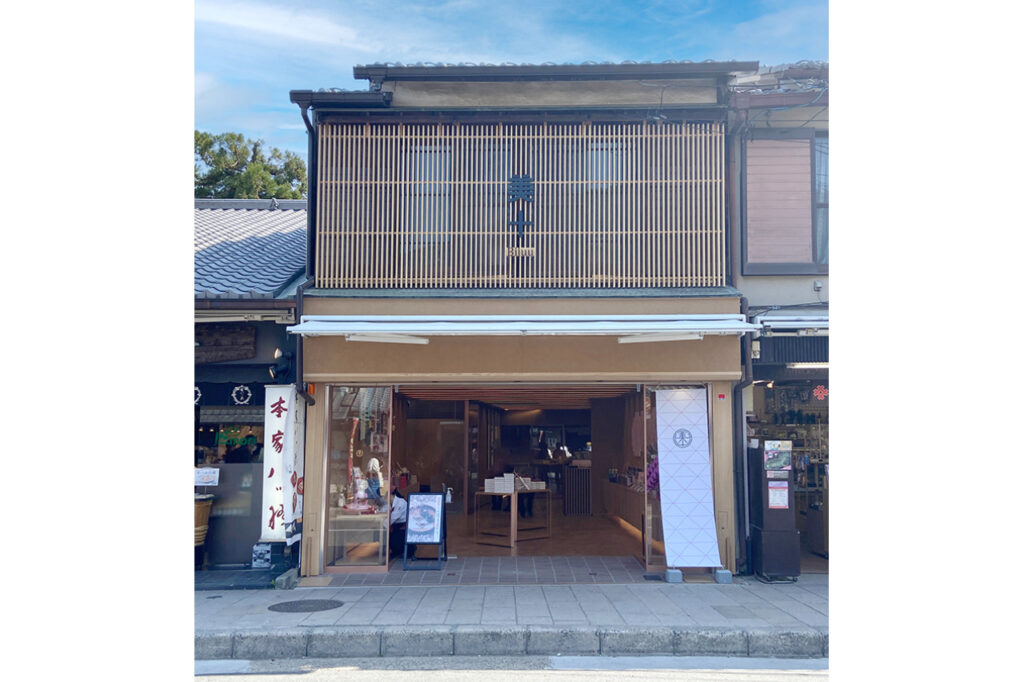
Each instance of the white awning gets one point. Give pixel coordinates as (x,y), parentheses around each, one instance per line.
(800,324)
(415,328)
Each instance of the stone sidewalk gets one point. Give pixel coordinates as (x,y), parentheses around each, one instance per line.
(745,618)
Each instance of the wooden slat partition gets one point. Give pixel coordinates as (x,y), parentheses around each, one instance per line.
(616,205)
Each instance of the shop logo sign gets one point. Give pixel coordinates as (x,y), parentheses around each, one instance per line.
(682,438)
(520,188)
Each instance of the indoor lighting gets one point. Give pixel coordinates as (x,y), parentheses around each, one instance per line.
(806,365)
(280,370)
(387,338)
(651,338)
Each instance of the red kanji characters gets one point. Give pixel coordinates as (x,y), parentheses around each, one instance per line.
(276,441)
(278,407)
(275,514)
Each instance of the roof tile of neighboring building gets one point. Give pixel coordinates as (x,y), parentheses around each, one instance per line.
(248,248)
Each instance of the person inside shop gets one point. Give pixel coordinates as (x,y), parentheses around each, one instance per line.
(399,525)
(241,455)
(525,502)
(373,482)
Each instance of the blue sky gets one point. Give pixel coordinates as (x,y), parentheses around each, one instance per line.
(250,53)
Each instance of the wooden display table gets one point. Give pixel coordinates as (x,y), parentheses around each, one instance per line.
(493,535)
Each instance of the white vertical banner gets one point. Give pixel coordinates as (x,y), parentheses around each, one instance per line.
(294,468)
(278,448)
(684,478)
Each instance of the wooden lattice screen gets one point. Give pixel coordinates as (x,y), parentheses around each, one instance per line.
(437,206)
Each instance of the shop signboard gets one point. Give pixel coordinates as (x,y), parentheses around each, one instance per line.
(425,525)
(684,478)
(282,466)
(424,521)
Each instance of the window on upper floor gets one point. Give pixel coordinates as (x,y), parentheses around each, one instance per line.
(785,203)
(428,214)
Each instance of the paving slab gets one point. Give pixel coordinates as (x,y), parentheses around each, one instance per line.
(745,618)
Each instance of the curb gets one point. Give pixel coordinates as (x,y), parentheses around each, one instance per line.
(483,640)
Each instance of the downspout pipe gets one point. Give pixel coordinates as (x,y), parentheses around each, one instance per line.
(311,179)
(300,385)
(741,473)
(311,182)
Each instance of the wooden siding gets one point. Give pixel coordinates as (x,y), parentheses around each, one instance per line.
(779,201)
(427,206)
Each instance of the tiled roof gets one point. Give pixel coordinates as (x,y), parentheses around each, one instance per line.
(532,64)
(248,248)
(805,76)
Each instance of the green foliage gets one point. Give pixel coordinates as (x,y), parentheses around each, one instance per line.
(229,166)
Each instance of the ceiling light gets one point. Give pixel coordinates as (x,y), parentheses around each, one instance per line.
(652,338)
(387,338)
(806,365)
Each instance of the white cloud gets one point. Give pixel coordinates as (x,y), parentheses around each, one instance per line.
(281,23)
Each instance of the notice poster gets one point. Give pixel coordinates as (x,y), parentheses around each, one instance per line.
(261,555)
(778,494)
(423,526)
(684,478)
(207,476)
(778,455)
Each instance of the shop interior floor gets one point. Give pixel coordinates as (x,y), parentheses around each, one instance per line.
(542,570)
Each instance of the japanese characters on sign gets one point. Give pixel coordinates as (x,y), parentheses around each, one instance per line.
(282,466)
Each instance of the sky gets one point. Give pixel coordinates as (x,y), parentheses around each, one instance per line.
(250,53)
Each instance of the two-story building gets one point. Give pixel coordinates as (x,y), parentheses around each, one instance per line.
(250,257)
(510,261)
(779,125)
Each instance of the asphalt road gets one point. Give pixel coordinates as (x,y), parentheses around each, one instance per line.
(528,669)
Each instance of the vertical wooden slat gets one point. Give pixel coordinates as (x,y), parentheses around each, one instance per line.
(426,205)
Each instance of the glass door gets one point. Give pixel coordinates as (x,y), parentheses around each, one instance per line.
(358,476)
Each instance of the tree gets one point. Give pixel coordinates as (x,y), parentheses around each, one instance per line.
(230,166)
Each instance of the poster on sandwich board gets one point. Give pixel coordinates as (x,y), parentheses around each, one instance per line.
(425,518)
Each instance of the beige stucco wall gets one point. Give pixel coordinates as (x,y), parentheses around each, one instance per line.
(519,358)
(533,94)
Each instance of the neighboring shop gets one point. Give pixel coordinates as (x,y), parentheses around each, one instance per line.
(231,442)
(789,405)
(249,256)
